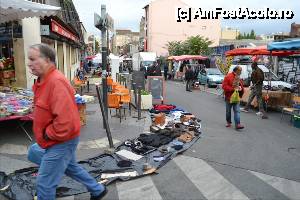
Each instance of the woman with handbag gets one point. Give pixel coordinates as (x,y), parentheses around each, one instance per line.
(233,88)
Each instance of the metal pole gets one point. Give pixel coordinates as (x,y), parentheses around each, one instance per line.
(104,61)
(135,96)
(139,102)
(105,122)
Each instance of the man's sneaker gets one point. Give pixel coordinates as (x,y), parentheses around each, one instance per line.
(264,117)
(228,125)
(259,113)
(246,110)
(239,126)
(100,196)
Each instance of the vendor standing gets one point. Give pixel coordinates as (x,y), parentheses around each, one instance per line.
(56,127)
(257,79)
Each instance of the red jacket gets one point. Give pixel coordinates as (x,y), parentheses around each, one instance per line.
(55,111)
(228,88)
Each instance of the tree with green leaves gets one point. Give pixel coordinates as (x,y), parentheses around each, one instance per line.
(194,45)
(175,48)
(252,34)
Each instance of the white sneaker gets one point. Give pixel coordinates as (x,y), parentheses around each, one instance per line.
(244,110)
(259,113)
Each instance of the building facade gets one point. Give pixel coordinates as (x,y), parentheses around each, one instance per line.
(229,33)
(162,27)
(127,41)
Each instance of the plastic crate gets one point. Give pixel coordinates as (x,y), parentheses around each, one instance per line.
(296,120)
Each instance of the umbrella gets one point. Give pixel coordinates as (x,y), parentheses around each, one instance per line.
(260,50)
(285,45)
(11,10)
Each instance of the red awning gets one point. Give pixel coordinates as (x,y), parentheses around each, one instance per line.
(260,50)
(187,57)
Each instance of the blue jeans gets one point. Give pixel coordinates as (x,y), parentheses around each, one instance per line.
(56,161)
(236,112)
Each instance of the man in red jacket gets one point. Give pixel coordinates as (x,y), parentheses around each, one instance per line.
(231,83)
(56,127)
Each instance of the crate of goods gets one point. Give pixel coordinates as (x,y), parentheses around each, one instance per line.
(297,121)
(82,113)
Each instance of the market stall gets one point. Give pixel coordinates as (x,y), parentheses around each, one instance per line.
(276,99)
(16,104)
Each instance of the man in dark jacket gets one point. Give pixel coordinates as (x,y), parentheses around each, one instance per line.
(257,78)
(189,78)
(157,70)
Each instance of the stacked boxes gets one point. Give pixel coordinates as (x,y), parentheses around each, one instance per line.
(82,113)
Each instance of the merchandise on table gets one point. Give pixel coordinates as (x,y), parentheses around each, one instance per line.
(15,101)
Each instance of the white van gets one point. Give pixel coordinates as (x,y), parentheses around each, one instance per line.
(275,82)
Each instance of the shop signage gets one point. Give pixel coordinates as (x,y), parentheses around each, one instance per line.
(45,30)
(59,29)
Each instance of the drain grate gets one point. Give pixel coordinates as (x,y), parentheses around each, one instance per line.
(90,112)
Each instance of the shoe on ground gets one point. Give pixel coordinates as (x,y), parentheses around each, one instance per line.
(100,196)
(264,117)
(245,110)
(259,114)
(228,125)
(239,127)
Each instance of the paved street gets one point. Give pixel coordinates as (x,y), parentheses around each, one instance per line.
(260,162)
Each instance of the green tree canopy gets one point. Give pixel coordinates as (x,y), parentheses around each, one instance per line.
(194,45)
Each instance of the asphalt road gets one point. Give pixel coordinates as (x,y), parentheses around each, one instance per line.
(260,162)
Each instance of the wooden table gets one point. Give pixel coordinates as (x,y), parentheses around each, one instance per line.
(276,98)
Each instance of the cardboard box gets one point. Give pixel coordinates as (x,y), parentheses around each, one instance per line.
(82,113)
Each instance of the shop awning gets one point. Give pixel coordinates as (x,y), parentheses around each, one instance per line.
(187,57)
(285,45)
(18,9)
(260,50)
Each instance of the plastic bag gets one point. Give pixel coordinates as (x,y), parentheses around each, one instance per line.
(235,97)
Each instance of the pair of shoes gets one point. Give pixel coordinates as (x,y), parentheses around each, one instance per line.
(100,196)
(239,127)
(228,125)
(246,110)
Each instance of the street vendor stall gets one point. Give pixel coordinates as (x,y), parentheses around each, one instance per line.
(179,74)
(276,99)
(16,104)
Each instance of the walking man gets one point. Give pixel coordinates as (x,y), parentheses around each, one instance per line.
(56,127)
(231,83)
(189,78)
(257,78)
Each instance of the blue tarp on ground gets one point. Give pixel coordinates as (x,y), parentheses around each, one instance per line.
(284,45)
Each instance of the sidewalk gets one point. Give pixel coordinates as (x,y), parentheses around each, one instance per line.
(93,139)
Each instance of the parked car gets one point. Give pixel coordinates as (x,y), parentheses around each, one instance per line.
(210,76)
(274,80)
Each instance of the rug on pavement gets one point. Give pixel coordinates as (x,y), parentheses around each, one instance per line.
(171,133)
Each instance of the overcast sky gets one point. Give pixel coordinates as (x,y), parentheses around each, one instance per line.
(127,13)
